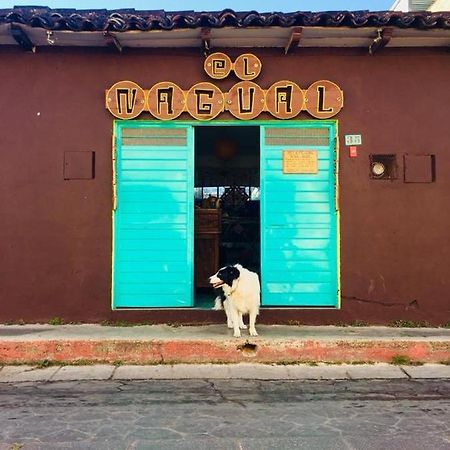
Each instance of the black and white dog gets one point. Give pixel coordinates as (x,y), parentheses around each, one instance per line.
(241,295)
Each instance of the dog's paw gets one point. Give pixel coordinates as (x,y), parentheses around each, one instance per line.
(253,333)
(230,325)
(242,326)
(237,334)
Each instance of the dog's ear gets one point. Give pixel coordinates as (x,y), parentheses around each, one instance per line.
(234,273)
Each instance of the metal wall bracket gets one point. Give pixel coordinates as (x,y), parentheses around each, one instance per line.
(205,35)
(383,37)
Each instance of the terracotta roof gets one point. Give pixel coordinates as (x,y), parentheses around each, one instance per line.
(130,19)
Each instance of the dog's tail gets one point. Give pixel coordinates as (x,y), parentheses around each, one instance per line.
(218,304)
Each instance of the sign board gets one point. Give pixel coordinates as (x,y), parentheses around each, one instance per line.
(219,66)
(245,100)
(300,161)
(353,139)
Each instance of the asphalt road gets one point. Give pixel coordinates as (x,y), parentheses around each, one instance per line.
(226,414)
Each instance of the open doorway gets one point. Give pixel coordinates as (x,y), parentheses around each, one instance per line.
(227,203)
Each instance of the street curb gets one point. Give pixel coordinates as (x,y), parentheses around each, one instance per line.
(242,371)
(257,350)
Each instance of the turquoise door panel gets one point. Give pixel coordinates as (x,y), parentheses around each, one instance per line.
(299,248)
(153,220)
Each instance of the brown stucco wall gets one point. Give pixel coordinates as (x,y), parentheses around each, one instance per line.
(55,246)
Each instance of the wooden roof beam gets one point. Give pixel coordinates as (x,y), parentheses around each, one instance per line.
(22,38)
(294,39)
(112,41)
(205,35)
(384,35)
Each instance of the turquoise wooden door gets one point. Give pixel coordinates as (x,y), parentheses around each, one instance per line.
(153,219)
(299,248)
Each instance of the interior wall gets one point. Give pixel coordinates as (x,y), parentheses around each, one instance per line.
(240,169)
(247,146)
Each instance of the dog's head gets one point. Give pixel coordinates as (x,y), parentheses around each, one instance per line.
(225,275)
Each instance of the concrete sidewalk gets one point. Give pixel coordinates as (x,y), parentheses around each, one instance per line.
(162,344)
(100,372)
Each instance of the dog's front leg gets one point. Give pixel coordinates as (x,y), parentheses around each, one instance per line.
(242,325)
(251,323)
(235,320)
(226,307)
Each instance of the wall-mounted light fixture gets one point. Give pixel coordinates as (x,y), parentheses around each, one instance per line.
(383,167)
(378,169)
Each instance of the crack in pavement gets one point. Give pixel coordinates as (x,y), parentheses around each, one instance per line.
(222,396)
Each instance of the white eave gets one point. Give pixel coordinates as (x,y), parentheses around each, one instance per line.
(229,37)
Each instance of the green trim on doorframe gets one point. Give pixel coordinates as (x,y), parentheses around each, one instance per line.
(231,122)
(139,293)
(289,228)
(258,123)
(338,213)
